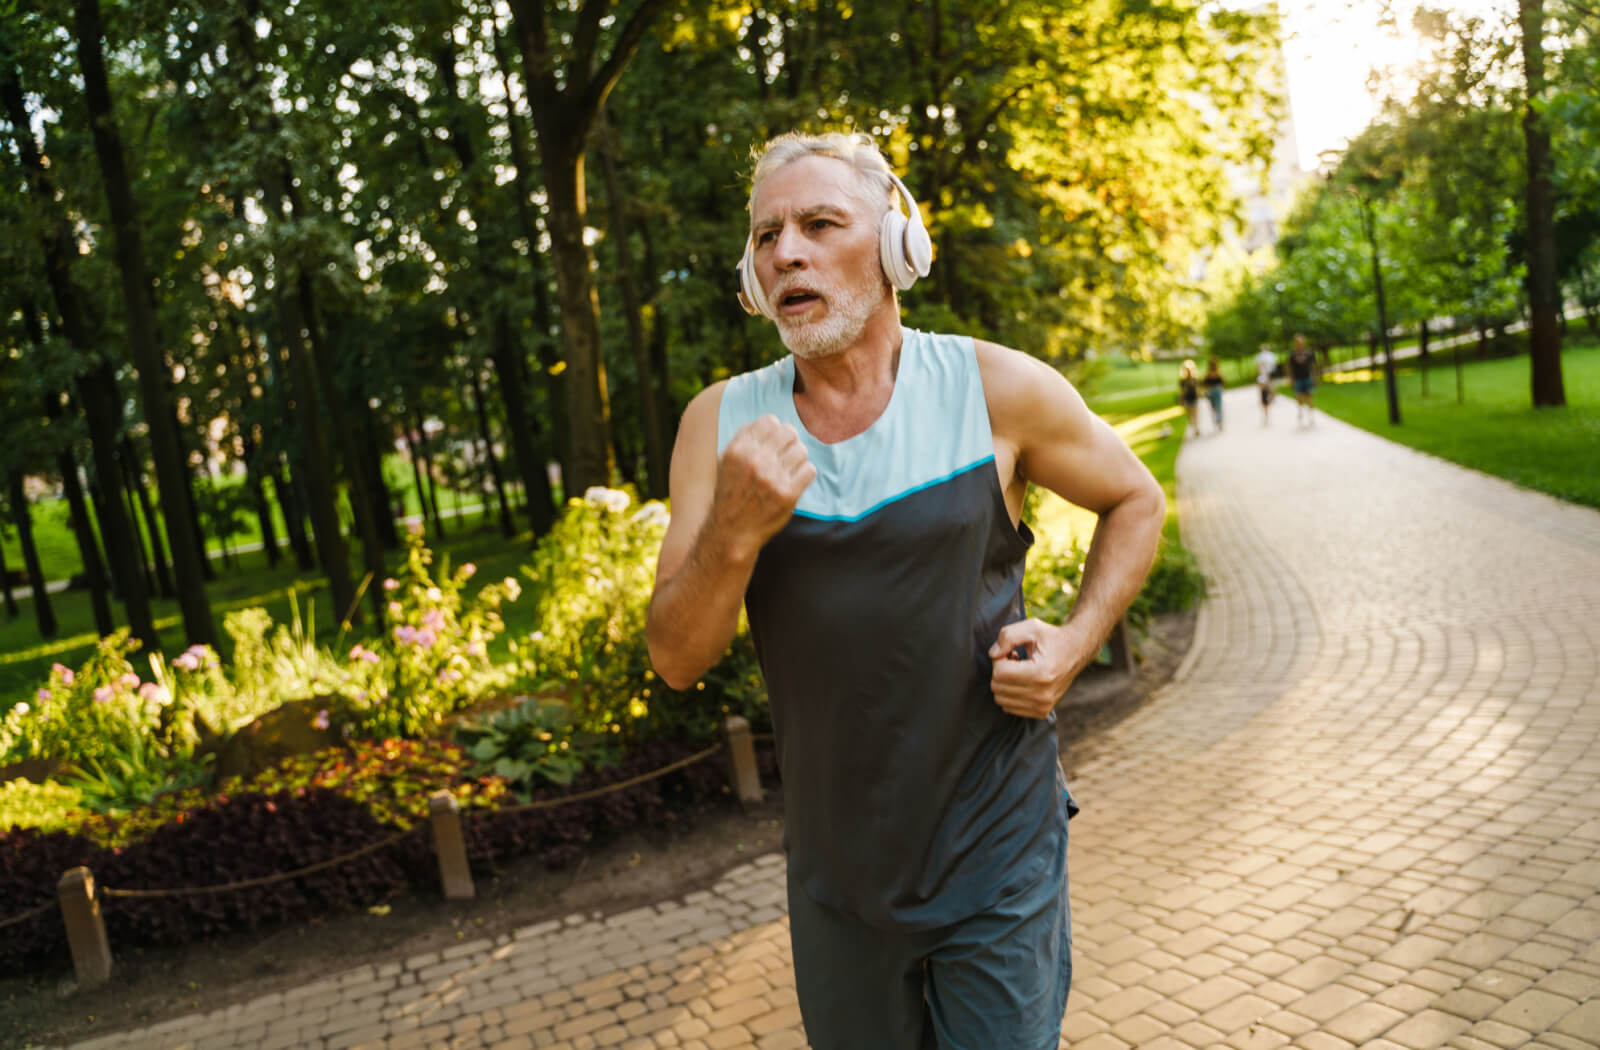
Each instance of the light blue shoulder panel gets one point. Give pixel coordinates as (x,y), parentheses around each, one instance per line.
(935,427)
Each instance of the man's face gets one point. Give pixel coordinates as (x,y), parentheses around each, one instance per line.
(816,254)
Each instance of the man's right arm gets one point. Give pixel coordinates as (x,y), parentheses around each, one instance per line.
(723,511)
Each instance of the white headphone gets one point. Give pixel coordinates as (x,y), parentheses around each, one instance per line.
(904,249)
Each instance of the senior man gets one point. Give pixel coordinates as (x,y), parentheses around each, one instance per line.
(862,497)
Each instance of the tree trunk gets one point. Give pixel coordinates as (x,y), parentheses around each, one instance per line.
(294,515)
(1422,354)
(563,110)
(192,505)
(312,467)
(42,610)
(97,393)
(651,432)
(12,612)
(427,471)
(142,339)
(258,497)
(373,449)
(588,406)
(366,519)
(1544,289)
(551,443)
(133,478)
(508,528)
(94,569)
(416,481)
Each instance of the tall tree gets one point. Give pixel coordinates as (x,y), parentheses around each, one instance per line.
(566,97)
(171,475)
(1544,292)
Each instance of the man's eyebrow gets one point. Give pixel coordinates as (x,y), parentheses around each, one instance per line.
(802,215)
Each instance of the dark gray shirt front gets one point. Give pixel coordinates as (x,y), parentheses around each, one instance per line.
(911,799)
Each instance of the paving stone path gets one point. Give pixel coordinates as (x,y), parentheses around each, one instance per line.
(1365,813)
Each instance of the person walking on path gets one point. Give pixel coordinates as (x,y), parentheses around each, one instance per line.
(1303,373)
(1214,385)
(861,497)
(1267,370)
(1189,394)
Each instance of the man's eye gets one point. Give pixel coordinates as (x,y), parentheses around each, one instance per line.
(818,224)
(765,237)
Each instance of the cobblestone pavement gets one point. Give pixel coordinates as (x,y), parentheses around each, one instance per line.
(1366,812)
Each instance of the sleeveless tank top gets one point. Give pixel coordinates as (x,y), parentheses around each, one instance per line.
(911,799)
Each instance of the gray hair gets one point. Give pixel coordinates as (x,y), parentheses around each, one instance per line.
(855,149)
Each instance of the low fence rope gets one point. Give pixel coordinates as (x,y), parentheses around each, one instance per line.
(372,847)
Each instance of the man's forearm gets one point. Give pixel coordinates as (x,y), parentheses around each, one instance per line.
(694,614)
(1120,555)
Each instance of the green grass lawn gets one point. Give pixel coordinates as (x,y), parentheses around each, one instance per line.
(58,550)
(1494,429)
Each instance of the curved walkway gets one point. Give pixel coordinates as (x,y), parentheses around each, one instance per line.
(1366,812)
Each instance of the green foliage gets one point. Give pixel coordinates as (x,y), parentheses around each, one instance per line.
(1175,583)
(592,575)
(87,714)
(535,744)
(133,774)
(435,658)
(51,806)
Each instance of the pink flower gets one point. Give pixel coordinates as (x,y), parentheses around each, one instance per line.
(468,570)
(130,680)
(188,661)
(364,654)
(405,634)
(390,584)
(201,654)
(104,694)
(426,637)
(396,610)
(433,619)
(475,648)
(151,692)
(63,672)
(321,721)
(43,695)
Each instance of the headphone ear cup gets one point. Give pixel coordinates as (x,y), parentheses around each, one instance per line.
(904,247)
(892,250)
(751,297)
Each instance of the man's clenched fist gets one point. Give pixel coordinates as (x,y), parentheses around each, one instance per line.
(760,477)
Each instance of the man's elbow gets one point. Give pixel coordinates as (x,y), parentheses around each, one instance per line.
(669,664)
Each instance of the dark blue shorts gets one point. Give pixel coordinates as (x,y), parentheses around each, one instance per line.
(1304,386)
(998,979)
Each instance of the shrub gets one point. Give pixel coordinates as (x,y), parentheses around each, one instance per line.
(592,577)
(332,808)
(534,744)
(434,659)
(47,807)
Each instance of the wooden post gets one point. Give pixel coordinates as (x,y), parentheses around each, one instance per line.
(86,930)
(450,846)
(742,772)
(1121,643)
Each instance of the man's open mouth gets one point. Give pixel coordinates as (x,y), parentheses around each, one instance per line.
(798,297)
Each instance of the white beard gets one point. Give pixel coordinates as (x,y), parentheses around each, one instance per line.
(848,311)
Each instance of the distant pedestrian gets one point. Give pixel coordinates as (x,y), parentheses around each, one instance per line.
(1303,373)
(1214,384)
(1189,393)
(1267,369)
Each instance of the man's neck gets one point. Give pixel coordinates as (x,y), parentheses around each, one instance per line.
(842,394)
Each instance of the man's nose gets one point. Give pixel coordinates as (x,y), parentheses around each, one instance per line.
(789,249)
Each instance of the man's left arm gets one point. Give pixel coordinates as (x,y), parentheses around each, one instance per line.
(1055,441)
